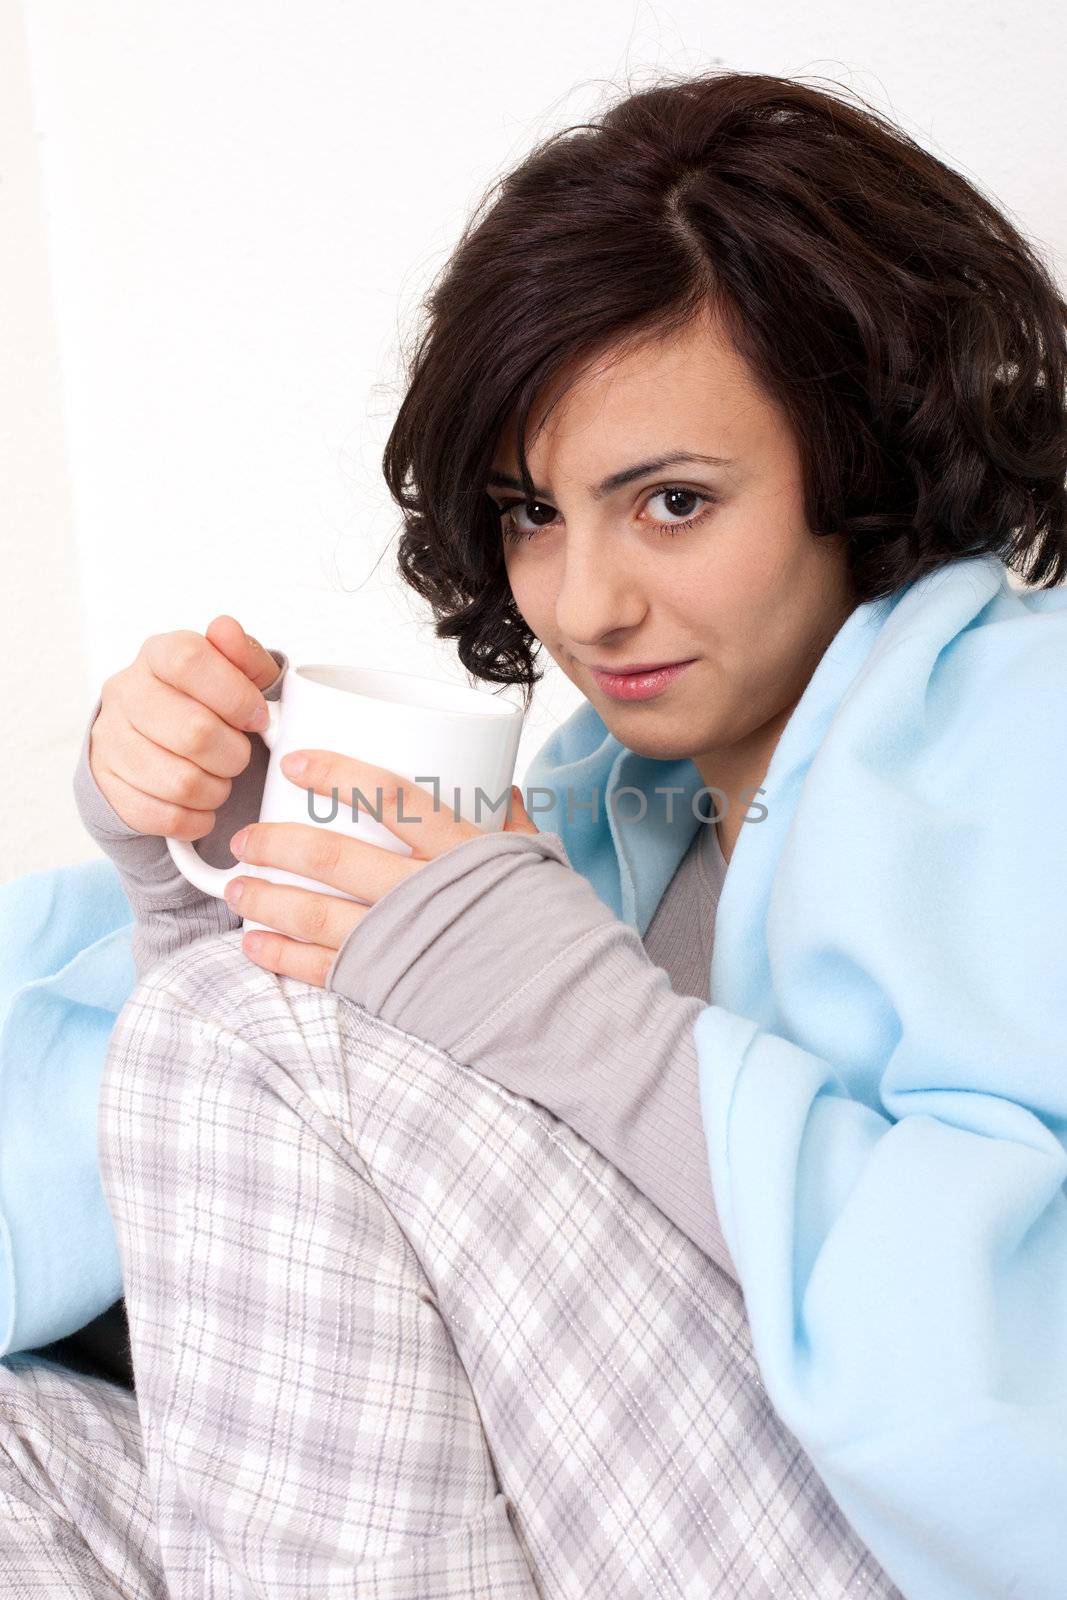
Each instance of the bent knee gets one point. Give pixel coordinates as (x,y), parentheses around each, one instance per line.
(167,1022)
(192,964)
(212,976)
(188,1009)
(177,1040)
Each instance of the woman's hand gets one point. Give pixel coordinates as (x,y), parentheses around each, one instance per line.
(313,926)
(172,730)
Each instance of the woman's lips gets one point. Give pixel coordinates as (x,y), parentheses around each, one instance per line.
(638,685)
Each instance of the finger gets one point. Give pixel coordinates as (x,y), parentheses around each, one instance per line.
(308,962)
(353,865)
(181,724)
(147,814)
(165,774)
(322,919)
(246,653)
(191,663)
(519,821)
(423,819)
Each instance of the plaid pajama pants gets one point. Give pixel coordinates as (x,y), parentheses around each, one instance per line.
(397,1333)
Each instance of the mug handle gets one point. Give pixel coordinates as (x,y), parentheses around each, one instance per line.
(200,873)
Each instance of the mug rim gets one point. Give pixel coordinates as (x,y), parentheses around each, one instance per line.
(488,703)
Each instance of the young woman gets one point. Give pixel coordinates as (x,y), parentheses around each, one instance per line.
(428,1290)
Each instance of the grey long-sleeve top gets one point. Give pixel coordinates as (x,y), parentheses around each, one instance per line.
(503,956)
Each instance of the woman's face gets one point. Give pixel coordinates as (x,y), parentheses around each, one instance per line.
(603,579)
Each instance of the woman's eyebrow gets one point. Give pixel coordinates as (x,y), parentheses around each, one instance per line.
(617,480)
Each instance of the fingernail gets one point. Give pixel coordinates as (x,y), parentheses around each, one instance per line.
(258,720)
(234,891)
(294,765)
(237,843)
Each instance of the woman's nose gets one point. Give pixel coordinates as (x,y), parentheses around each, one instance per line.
(599,592)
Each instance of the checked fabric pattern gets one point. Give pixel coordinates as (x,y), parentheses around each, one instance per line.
(398,1334)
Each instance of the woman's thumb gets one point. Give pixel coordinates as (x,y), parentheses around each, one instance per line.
(245,651)
(519,821)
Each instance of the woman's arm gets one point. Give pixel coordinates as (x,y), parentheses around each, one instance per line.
(503,956)
(170,911)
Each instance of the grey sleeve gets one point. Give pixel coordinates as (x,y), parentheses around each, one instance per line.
(169,912)
(503,956)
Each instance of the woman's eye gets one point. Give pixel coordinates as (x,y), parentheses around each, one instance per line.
(534,508)
(682,512)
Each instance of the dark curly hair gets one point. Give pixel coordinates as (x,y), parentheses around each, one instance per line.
(912,335)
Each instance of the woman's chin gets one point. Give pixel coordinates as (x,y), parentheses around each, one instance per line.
(669,740)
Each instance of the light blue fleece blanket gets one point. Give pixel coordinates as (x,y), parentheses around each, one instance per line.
(65,971)
(883,1069)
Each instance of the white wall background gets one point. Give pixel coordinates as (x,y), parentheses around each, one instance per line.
(218,218)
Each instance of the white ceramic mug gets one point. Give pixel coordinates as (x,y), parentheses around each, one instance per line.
(420,728)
